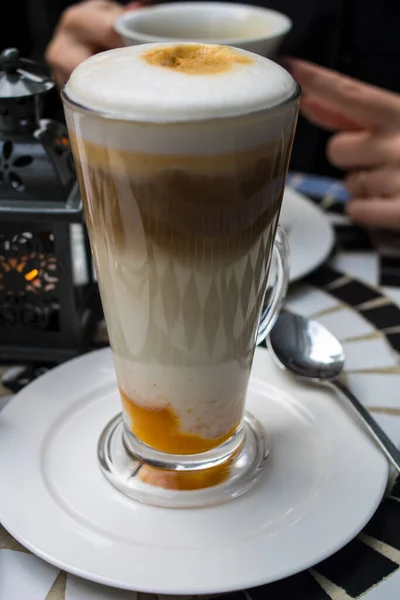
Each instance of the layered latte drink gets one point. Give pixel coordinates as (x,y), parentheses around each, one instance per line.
(182,152)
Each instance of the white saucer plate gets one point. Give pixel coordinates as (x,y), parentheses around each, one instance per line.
(311,236)
(323,481)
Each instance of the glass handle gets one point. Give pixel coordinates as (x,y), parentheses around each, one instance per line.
(281,265)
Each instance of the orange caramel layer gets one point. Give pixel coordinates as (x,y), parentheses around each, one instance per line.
(195,480)
(160,429)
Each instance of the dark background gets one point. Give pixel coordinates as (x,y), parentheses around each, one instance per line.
(359,38)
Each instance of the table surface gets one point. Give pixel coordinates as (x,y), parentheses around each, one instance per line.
(357,296)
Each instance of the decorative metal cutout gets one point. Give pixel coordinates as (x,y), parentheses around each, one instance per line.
(11,167)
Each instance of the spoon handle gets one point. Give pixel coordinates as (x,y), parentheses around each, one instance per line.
(375,430)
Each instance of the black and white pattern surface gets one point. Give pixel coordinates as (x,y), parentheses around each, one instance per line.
(357,296)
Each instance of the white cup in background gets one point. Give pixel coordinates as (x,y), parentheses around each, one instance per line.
(252,28)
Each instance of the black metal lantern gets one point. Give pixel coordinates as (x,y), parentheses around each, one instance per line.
(46,275)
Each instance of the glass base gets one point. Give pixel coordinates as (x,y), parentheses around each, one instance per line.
(174,481)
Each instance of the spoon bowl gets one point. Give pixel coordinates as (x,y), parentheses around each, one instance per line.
(306,348)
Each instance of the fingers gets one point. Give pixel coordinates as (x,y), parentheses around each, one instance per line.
(375,198)
(376,213)
(102,15)
(363,104)
(368,142)
(92,22)
(65,55)
(323,116)
(378,183)
(135,5)
(358,150)
(83,30)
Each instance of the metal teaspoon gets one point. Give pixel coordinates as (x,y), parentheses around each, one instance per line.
(314,354)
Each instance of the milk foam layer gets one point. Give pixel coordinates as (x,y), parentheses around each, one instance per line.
(122,84)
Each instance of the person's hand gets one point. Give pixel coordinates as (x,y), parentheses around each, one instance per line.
(367,144)
(83,30)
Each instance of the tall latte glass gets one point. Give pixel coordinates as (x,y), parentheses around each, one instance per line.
(182,153)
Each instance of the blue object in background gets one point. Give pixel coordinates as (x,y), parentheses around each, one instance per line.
(318,187)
